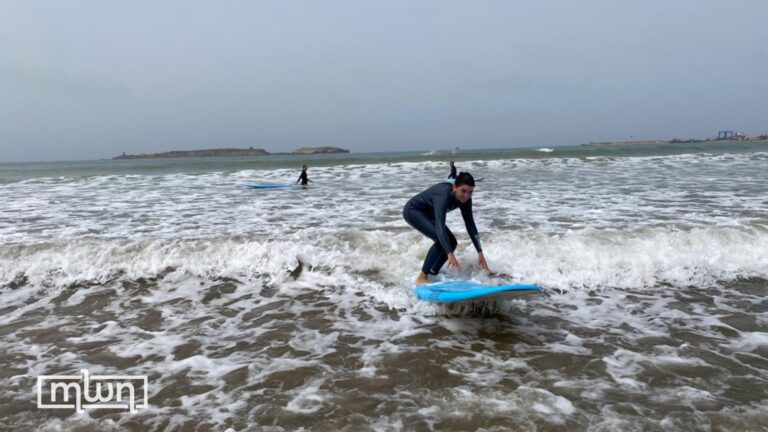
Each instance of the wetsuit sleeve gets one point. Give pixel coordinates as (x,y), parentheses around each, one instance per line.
(439,205)
(299,179)
(469,222)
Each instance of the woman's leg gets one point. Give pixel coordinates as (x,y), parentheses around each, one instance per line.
(436,257)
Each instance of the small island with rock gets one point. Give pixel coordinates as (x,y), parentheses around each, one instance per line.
(229,152)
(320,150)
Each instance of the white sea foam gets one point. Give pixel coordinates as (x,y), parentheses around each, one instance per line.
(589,258)
(750,341)
(560,222)
(307,400)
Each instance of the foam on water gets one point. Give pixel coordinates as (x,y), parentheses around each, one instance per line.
(580,259)
(293,307)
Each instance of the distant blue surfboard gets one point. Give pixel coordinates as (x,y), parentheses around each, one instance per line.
(456,291)
(450,180)
(267,185)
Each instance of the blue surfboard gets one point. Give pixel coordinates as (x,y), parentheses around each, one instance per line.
(456,291)
(267,185)
(450,180)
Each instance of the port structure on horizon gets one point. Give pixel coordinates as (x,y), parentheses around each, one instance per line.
(725,134)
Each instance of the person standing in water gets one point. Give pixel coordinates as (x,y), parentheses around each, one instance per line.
(426,212)
(303,176)
(452,175)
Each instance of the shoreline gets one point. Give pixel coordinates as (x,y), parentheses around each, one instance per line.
(675,141)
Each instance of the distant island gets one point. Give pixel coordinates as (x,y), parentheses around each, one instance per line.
(229,152)
(319,150)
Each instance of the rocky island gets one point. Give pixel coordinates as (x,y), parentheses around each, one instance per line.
(230,152)
(320,150)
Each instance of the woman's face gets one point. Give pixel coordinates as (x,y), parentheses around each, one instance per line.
(463,193)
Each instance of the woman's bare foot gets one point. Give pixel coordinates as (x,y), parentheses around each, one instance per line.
(422,279)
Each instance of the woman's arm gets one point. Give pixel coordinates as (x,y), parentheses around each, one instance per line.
(469,222)
(439,208)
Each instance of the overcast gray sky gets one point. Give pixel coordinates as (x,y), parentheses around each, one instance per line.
(91,79)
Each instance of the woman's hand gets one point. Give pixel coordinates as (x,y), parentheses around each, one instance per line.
(481,262)
(453,262)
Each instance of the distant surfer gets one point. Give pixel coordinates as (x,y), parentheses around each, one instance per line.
(426,212)
(452,175)
(303,176)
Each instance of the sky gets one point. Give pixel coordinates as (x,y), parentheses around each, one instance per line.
(91,79)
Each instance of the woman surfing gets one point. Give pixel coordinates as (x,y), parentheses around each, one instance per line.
(426,212)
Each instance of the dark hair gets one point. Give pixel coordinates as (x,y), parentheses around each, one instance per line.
(464,178)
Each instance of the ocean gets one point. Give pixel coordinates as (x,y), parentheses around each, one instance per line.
(291,309)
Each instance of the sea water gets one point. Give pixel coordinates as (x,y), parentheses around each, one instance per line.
(292,309)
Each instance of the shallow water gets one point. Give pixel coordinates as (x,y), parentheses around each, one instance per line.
(289,309)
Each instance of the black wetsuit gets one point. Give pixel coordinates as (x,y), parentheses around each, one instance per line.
(303,178)
(453,172)
(426,212)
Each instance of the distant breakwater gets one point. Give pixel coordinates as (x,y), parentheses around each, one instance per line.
(679,141)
